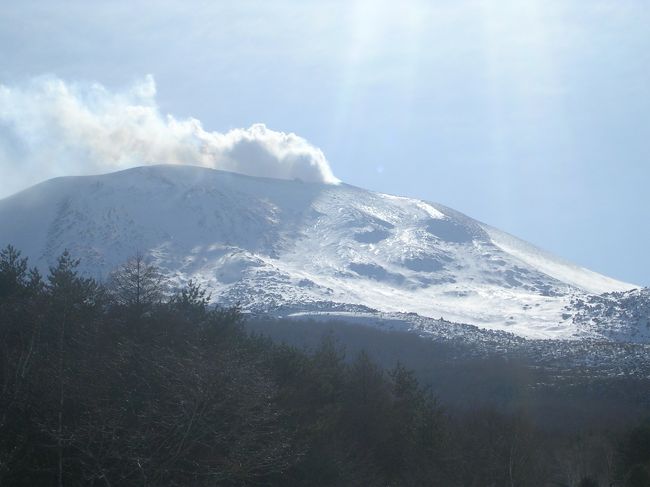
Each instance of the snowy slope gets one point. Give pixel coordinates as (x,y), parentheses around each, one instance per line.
(310,247)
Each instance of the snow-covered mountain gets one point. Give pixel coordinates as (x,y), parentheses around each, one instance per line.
(307,247)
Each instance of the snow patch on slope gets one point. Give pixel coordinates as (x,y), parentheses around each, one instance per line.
(555,267)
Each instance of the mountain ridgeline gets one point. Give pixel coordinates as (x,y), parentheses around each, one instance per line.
(308,249)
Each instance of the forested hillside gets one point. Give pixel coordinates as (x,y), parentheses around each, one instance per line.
(124,383)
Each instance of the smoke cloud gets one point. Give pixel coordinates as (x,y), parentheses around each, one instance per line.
(51,128)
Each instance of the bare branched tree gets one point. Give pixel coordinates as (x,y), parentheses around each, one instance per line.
(137,284)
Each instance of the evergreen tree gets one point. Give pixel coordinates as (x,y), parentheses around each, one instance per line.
(13,272)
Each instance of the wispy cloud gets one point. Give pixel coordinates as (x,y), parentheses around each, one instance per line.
(50,128)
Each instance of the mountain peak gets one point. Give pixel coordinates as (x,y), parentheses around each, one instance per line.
(268,243)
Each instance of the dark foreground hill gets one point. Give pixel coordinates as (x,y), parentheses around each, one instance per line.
(121,386)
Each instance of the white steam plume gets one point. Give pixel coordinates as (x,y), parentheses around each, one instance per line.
(51,128)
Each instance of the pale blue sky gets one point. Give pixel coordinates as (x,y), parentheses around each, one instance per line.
(530,115)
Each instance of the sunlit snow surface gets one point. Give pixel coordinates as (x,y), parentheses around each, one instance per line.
(310,247)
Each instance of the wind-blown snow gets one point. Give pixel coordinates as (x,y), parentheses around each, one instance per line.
(51,128)
(553,266)
(304,246)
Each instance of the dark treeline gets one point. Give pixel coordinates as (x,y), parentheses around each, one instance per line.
(121,384)
(557,398)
